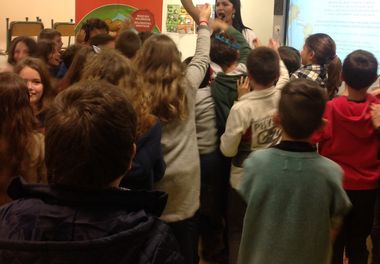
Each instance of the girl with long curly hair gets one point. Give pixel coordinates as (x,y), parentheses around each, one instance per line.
(21,146)
(171,90)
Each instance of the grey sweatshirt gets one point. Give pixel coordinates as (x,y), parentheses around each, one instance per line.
(179,144)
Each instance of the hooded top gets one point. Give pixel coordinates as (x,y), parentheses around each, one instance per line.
(53,224)
(350,139)
(224,92)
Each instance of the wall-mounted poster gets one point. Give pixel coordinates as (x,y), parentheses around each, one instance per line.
(178,20)
(144,15)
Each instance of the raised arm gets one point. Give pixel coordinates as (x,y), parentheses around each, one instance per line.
(191,9)
(201,60)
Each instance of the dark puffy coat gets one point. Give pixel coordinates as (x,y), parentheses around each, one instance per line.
(59,225)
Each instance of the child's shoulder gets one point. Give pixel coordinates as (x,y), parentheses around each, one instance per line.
(261,156)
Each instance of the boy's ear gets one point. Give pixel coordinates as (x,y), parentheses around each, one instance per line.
(311,55)
(276,119)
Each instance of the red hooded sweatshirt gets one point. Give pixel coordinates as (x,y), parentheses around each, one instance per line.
(351,140)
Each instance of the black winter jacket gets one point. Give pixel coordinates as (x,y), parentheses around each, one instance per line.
(57,225)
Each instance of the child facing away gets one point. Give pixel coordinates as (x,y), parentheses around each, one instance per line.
(320,63)
(351,140)
(249,127)
(294,196)
(171,90)
(82,216)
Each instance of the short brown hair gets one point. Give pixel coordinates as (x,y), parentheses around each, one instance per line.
(90,132)
(263,65)
(301,108)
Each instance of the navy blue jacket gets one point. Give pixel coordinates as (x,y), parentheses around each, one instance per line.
(148,165)
(52,224)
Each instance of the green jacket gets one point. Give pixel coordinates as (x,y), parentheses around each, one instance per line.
(224,92)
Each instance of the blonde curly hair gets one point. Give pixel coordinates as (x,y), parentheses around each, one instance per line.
(111,66)
(160,73)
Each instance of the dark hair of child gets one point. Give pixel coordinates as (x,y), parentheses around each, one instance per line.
(263,65)
(360,69)
(207,79)
(144,36)
(128,43)
(100,39)
(69,54)
(222,52)
(29,42)
(48,33)
(324,49)
(90,132)
(91,24)
(45,47)
(75,70)
(291,58)
(301,107)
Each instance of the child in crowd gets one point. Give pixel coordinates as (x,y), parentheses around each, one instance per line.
(76,68)
(351,140)
(128,43)
(148,165)
(90,28)
(291,58)
(213,186)
(90,133)
(319,62)
(47,51)
(53,35)
(21,47)
(249,127)
(295,197)
(171,89)
(229,57)
(375,233)
(41,93)
(103,40)
(22,148)
(69,54)
(144,36)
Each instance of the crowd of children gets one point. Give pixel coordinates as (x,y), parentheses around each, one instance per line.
(116,151)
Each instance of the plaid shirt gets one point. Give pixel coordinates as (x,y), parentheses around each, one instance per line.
(312,72)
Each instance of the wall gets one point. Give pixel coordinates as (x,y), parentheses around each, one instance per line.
(60,11)
(257,14)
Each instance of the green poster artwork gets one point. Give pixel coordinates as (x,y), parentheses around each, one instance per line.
(178,20)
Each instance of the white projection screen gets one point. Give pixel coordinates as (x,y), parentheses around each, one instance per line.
(353,24)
